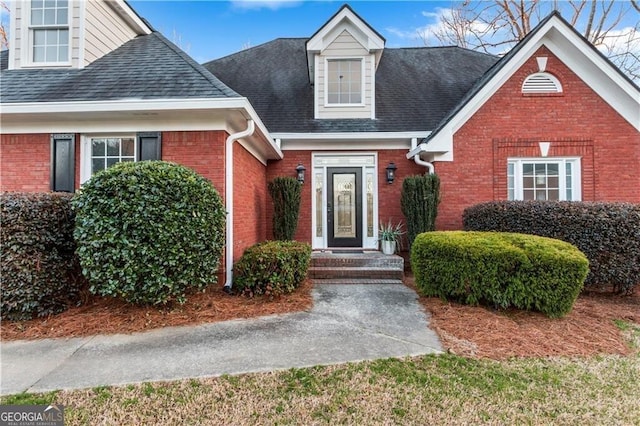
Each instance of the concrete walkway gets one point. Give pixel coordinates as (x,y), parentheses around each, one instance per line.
(346,323)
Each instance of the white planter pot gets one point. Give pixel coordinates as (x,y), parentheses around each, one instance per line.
(388,247)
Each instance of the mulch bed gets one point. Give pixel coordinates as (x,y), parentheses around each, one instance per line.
(589,329)
(464,330)
(101,315)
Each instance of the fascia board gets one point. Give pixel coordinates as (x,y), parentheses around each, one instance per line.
(122,105)
(123,9)
(599,75)
(543,37)
(240,104)
(444,137)
(318,42)
(351,135)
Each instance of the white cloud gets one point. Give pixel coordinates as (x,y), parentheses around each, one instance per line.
(264,4)
(622,40)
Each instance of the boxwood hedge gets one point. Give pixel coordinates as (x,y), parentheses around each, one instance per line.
(272,268)
(149,232)
(500,270)
(40,272)
(607,233)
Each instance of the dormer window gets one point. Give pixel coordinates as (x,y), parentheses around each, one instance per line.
(49,31)
(344,81)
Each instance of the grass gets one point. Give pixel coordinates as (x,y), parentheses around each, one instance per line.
(444,389)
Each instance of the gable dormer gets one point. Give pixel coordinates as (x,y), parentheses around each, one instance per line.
(342,57)
(69,33)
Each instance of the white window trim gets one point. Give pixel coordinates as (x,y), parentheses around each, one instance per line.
(27,38)
(85,151)
(576,183)
(362,60)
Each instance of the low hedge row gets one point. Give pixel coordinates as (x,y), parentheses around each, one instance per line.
(272,268)
(40,272)
(500,270)
(607,233)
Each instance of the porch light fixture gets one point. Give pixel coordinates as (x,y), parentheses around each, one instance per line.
(300,173)
(391,172)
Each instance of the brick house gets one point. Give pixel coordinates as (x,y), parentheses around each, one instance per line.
(552,119)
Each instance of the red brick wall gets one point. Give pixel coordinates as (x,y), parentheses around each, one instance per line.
(578,123)
(388,194)
(287,167)
(202,151)
(249,200)
(25,163)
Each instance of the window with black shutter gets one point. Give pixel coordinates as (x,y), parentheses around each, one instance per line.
(149,146)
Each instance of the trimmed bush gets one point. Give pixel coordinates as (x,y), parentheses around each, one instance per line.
(607,233)
(419,202)
(286,194)
(500,270)
(40,272)
(272,268)
(149,232)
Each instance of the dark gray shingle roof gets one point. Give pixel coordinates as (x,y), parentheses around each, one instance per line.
(415,87)
(147,67)
(4,59)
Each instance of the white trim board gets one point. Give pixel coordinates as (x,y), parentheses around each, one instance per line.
(580,58)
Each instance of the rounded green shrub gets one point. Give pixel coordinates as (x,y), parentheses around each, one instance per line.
(149,232)
(607,233)
(500,270)
(39,269)
(272,268)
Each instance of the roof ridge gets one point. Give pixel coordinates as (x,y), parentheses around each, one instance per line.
(252,48)
(198,68)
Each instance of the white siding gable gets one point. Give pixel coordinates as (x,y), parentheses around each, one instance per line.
(345,46)
(105,31)
(96,27)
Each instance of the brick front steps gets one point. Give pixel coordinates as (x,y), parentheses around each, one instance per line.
(342,267)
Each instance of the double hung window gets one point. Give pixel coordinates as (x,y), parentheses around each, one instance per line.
(49,25)
(344,81)
(544,179)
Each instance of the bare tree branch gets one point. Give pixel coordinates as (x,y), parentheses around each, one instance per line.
(4,33)
(495,26)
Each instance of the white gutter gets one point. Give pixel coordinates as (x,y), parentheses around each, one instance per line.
(229,198)
(416,151)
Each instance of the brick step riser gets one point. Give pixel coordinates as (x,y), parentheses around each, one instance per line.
(356,281)
(395,274)
(362,263)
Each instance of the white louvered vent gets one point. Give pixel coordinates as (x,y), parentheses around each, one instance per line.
(541,82)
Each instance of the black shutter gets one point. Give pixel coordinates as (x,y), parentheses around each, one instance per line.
(149,146)
(63,166)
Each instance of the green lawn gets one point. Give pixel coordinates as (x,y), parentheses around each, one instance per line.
(443,389)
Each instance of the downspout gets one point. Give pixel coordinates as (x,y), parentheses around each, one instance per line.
(419,161)
(229,199)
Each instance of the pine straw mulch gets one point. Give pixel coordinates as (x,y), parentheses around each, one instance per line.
(589,329)
(101,315)
(464,330)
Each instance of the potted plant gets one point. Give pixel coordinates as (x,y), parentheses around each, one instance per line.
(390,237)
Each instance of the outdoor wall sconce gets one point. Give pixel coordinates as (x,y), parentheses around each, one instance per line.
(300,173)
(391,172)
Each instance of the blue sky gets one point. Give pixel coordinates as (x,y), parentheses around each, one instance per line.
(212,29)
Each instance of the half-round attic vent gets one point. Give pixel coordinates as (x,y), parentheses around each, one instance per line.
(541,82)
